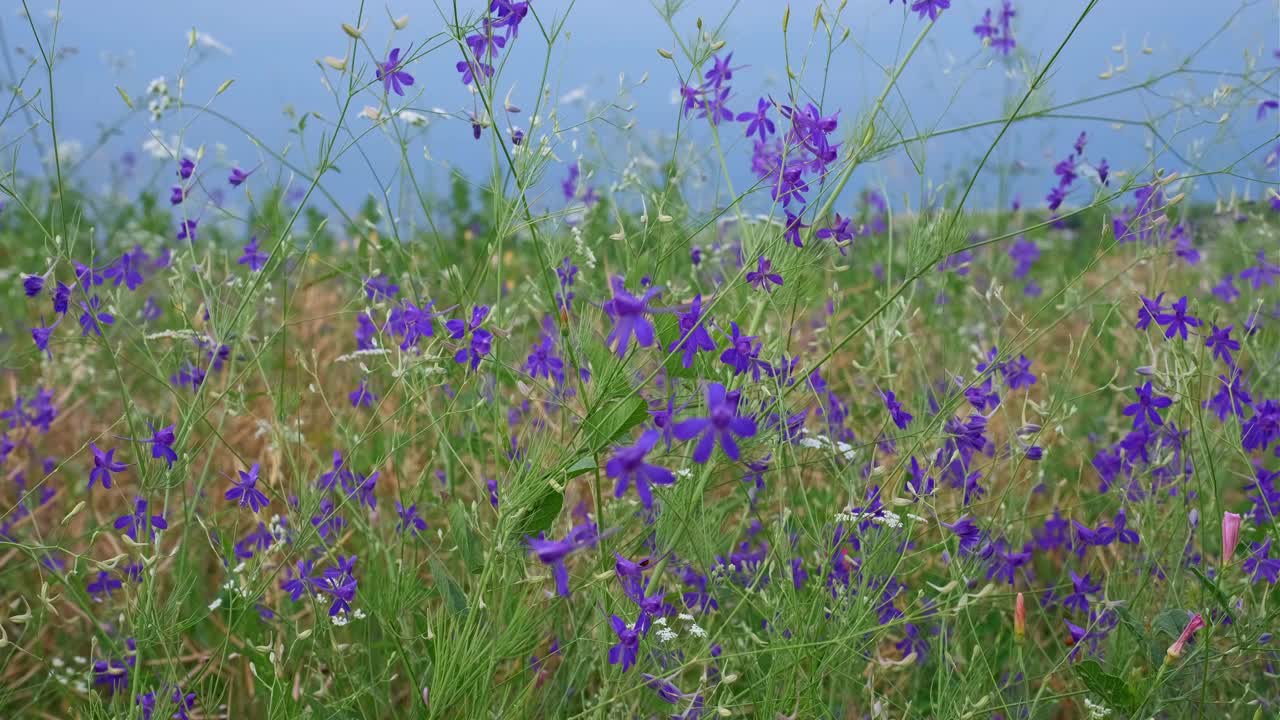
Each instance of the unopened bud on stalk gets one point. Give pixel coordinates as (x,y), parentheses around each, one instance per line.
(786,19)
(1175,650)
(1019,617)
(352,32)
(335,63)
(1230,536)
(664,53)
(401,22)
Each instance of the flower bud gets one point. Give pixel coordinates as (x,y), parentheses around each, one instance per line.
(1019,617)
(352,32)
(1175,650)
(1230,536)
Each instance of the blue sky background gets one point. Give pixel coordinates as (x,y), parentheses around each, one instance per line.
(274,45)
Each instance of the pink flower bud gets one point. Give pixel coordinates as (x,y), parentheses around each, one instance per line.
(1230,536)
(1195,623)
(426,695)
(1019,617)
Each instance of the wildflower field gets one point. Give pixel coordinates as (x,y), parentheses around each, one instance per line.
(801,403)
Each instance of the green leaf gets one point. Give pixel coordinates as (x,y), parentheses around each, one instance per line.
(454,599)
(614,422)
(1213,589)
(1112,689)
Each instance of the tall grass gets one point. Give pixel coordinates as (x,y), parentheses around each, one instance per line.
(431,383)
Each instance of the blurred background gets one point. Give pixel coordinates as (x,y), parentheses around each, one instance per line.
(270,49)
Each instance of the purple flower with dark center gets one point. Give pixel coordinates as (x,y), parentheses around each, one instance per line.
(720,72)
(694,337)
(1219,339)
(253,257)
(552,553)
(758,120)
(1148,406)
(761,278)
(186,167)
(625,651)
(340,584)
(177,194)
(392,74)
(104,464)
(628,315)
(794,225)
(790,184)
(1150,310)
(930,7)
(411,323)
(1259,431)
(1178,320)
(161,442)
(1081,588)
(628,465)
(238,176)
(125,269)
(93,318)
(722,422)
(900,417)
(743,354)
(409,519)
(245,490)
(378,288)
(480,339)
(138,520)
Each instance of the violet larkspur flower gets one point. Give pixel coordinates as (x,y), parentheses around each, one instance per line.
(625,651)
(238,176)
(32,285)
(628,465)
(392,74)
(722,422)
(839,233)
(245,490)
(1226,290)
(628,314)
(758,121)
(480,338)
(409,519)
(1178,320)
(42,335)
(761,278)
(140,520)
(1222,344)
(161,442)
(103,585)
(104,464)
(187,229)
(1150,310)
(553,552)
(794,226)
(93,317)
(362,396)
(694,337)
(1147,407)
(743,354)
(930,7)
(61,298)
(901,417)
(253,257)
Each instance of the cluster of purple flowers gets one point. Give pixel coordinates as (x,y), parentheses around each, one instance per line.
(1068,171)
(998,33)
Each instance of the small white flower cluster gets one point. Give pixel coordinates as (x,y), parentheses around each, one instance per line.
(158,90)
(818,442)
(68,676)
(581,249)
(1096,711)
(693,628)
(239,584)
(342,618)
